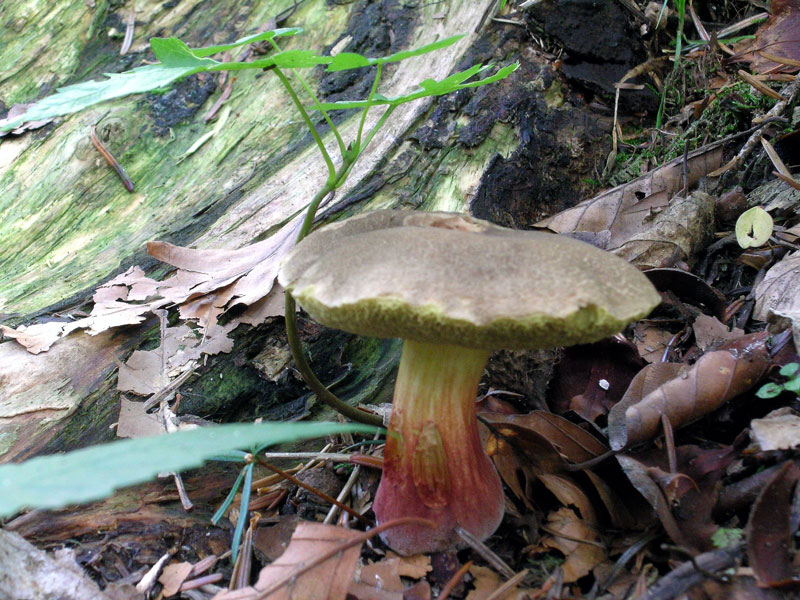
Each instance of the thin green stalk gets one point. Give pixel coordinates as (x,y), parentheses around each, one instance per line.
(372,91)
(317,105)
(681,6)
(310,378)
(301,109)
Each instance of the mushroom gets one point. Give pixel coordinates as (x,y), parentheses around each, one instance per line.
(454,288)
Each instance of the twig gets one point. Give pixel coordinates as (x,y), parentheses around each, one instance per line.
(343,494)
(500,592)
(450,585)
(685,576)
(485,552)
(109,158)
(130,23)
(314,491)
(787,93)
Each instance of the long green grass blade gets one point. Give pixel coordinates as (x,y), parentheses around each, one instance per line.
(93,473)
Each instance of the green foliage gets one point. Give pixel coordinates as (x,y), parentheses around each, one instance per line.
(177,61)
(430,87)
(93,473)
(791,372)
(725,537)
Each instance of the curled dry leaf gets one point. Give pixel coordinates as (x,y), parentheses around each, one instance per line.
(685,499)
(625,210)
(675,234)
(328,580)
(779,430)
(577,540)
(778,294)
(686,393)
(486,582)
(207,283)
(591,378)
(777,38)
(769,534)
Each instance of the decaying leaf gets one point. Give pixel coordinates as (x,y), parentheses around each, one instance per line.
(415,567)
(684,499)
(591,378)
(677,233)
(327,580)
(777,38)
(487,582)
(778,294)
(623,210)
(577,540)
(709,332)
(173,576)
(769,535)
(207,283)
(779,430)
(689,394)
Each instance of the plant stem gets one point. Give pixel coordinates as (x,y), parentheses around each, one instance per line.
(301,109)
(315,100)
(311,379)
(372,91)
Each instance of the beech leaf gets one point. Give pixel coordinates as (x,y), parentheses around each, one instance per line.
(688,392)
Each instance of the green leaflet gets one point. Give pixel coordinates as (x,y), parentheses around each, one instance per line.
(93,473)
(429,87)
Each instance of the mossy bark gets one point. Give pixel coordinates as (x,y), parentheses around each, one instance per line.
(67,224)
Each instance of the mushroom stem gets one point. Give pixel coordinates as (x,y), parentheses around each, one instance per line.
(435,466)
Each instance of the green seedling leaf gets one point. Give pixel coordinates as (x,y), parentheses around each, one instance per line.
(174,53)
(250,39)
(790,369)
(724,537)
(348,60)
(177,61)
(72,98)
(769,390)
(93,473)
(351,60)
(753,227)
(429,87)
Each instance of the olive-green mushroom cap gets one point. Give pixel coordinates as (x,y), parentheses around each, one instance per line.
(448,278)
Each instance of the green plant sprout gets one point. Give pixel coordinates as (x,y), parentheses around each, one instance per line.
(176,61)
(791,372)
(680,6)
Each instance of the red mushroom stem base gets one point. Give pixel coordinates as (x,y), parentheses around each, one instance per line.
(435,466)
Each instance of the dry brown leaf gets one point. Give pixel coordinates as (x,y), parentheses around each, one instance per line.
(777,37)
(173,577)
(383,574)
(134,422)
(414,567)
(569,493)
(778,294)
(677,233)
(623,211)
(576,540)
(778,430)
(141,374)
(689,394)
(362,591)
(651,341)
(769,531)
(709,332)
(486,583)
(328,580)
